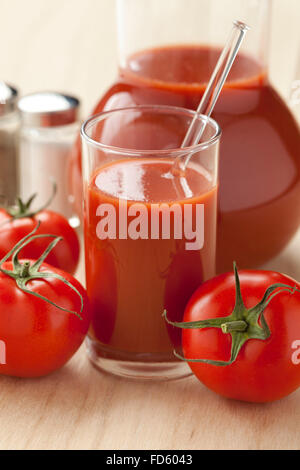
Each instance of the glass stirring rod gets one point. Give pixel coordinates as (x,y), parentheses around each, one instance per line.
(212,92)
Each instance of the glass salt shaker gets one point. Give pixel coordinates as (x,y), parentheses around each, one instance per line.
(50,125)
(9,128)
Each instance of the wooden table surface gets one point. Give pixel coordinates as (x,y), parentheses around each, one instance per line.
(78,407)
(81,408)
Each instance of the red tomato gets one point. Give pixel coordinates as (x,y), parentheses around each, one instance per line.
(265,369)
(36,337)
(64,256)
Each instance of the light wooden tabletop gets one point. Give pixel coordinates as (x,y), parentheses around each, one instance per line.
(78,407)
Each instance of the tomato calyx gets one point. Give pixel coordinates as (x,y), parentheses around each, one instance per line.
(23,209)
(22,273)
(243,324)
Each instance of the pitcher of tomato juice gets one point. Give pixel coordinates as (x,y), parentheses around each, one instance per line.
(150,233)
(167,52)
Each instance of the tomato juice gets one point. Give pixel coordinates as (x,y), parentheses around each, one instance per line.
(131,281)
(260,148)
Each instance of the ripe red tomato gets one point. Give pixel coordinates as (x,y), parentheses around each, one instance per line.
(37,337)
(265,369)
(64,256)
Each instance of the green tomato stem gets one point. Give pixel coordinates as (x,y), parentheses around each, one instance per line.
(22,273)
(238,325)
(242,324)
(25,270)
(23,209)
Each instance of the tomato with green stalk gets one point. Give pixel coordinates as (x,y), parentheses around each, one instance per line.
(18,221)
(44,312)
(240,335)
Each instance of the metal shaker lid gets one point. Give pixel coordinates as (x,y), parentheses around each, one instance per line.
(48,109)
(8,98)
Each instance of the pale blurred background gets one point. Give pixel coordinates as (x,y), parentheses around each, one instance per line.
(71,45)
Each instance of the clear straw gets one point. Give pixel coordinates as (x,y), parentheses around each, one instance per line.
(212,92)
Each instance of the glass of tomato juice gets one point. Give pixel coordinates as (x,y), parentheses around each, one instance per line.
(150,233)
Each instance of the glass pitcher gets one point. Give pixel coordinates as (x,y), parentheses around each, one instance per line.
(167,51)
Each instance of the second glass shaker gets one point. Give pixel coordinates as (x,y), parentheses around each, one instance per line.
(49,129)
(9,128)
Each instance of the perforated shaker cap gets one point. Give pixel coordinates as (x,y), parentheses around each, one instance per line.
(48,109)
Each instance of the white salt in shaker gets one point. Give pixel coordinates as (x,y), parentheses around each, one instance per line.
(50,124)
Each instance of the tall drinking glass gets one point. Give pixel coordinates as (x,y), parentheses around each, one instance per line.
(150,235)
